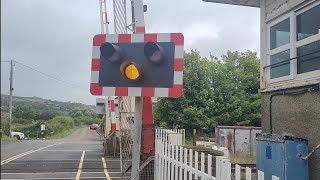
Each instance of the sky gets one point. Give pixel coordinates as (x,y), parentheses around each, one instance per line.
(55,37)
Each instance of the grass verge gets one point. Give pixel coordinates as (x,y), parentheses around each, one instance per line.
(8,139)
(243,158)
(65,133)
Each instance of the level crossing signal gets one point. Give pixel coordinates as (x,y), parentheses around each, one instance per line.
(148,65)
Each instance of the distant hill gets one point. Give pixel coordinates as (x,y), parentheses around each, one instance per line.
(43,106)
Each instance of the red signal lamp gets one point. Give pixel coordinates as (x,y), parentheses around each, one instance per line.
(154,53)
(111,52)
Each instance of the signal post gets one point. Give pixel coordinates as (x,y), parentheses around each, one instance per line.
(142,65)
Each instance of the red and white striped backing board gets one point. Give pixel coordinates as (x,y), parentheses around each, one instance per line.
(113,115)
(175,91)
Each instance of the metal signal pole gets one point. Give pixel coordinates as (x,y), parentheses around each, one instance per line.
(105,30)
(11,93)
(138,27)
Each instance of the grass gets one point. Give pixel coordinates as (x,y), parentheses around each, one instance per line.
(243,158)
(189,141)
(65,133)
(8,139)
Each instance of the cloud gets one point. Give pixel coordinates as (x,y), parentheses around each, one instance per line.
(56,37)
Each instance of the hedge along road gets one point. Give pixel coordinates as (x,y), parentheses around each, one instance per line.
(78,156)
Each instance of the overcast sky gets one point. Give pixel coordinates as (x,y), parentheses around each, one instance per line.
(55,36)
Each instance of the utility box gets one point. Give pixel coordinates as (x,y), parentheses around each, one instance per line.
(282,156)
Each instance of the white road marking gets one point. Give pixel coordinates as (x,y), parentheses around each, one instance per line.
(68,150)
(105,168)
(80,166)
(55,178)
(113,160)
(125,177)
(24,154)
(41,173)
(56,173)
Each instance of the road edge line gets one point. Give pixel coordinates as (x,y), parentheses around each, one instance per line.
(80,166)
(105,168)
(24,154)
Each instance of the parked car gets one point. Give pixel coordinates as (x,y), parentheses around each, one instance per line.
(18,135)
(93,126)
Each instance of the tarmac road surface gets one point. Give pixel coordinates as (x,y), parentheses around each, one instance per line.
(79,156)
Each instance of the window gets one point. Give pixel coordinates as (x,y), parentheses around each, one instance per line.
(310,60)
(294,45)
(280,34)
(308,23)
(281,69)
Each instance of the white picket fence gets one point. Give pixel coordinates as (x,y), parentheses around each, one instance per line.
(223,171)
(173,162)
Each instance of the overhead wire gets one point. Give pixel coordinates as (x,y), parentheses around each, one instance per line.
(48,75)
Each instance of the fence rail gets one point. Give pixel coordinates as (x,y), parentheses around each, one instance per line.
(175,162)
(172,161)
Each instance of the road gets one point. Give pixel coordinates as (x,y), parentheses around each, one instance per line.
(79,156)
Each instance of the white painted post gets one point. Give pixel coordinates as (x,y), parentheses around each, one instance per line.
(136,139)
(260,175)
(169,161)
(162,159)
(176,162)
(275,178)
(238,172)
(156,134)
(166,135)
(156,161)
(248,173)
(185,163)
(202,166)
(177,136)
(228,169)
(163,133)
(180,162)
(196,164)
(218,167)
(172,161)
(165,160)
(161,156)
(209,164)
(225,169)
(190,163)
(173,137)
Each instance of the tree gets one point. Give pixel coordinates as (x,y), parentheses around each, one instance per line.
(25,112)
(48,114)
(82,111)
(216,91)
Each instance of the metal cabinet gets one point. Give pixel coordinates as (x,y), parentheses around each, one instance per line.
(281,156)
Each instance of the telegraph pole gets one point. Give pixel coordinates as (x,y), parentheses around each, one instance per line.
(10,97)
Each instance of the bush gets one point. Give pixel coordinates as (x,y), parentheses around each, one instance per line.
(30,129)
(21,120)
(60,124)
(87,120)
